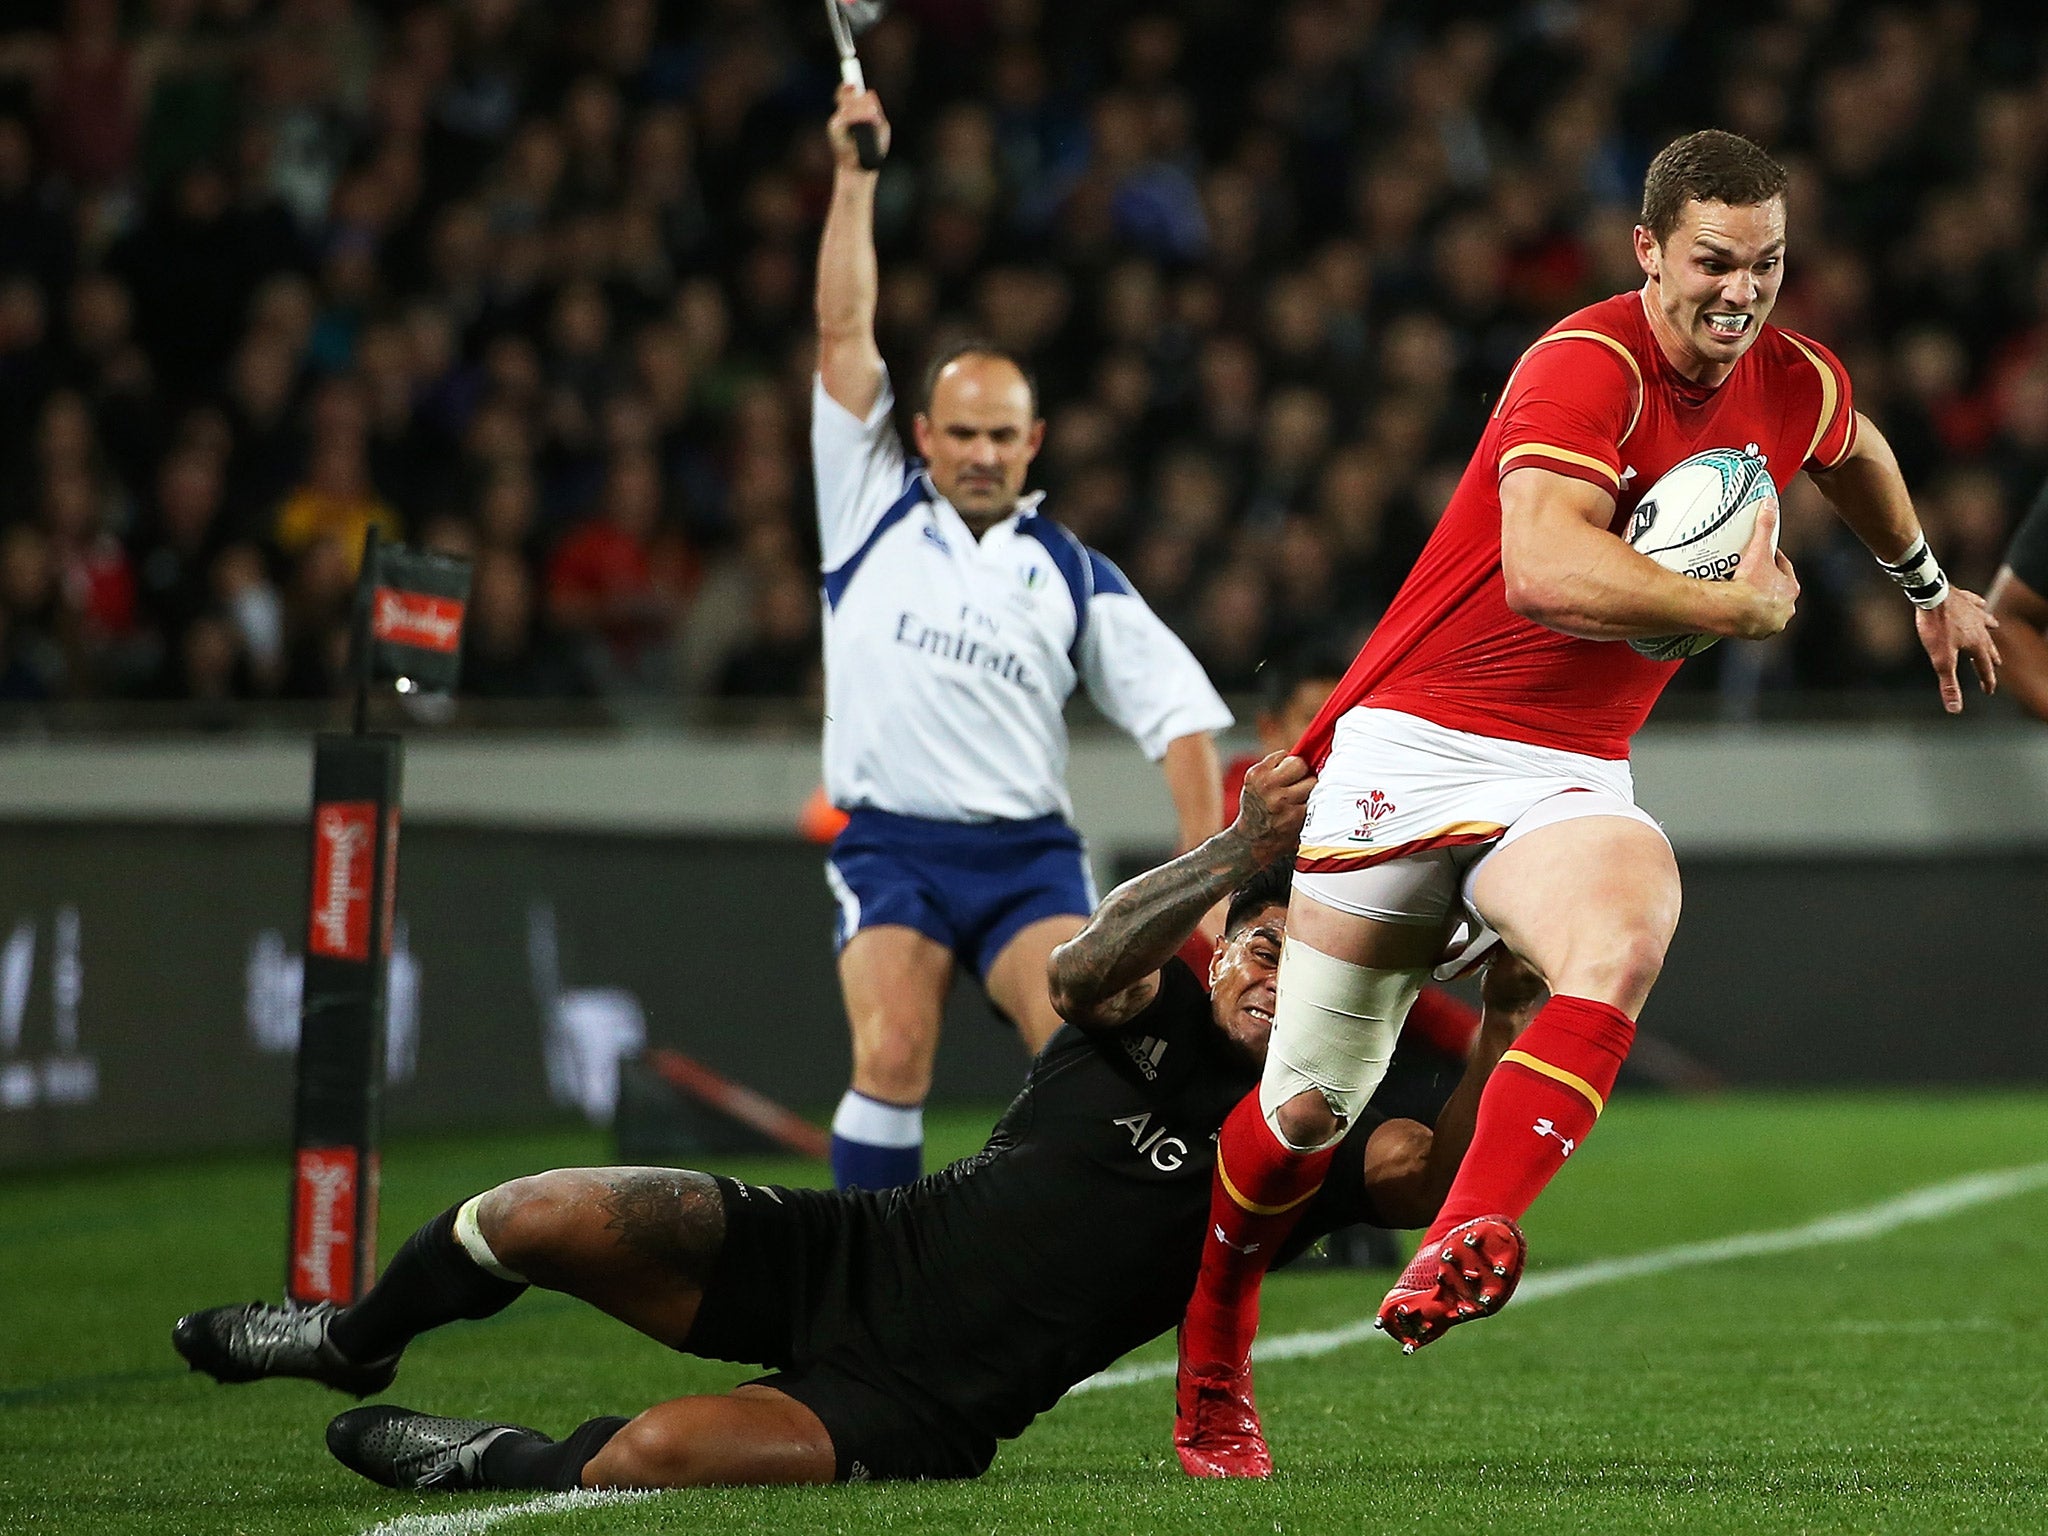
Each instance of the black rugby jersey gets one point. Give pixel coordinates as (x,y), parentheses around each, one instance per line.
(2028,556)
(1074,1236)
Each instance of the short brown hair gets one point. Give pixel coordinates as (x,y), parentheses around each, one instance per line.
(1706,167)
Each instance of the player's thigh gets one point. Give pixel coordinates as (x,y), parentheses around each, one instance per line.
(1370,941)
(753,1435)
(894,980)
(1591,903)
(1016,981)
(638,1243)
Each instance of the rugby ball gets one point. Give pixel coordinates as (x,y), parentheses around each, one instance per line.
(1696,520)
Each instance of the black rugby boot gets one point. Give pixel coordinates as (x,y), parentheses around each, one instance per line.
(401,1448)
(252,1343)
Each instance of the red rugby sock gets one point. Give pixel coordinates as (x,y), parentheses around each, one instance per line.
(1538,1106)
(1260,1189)
(1443,1022)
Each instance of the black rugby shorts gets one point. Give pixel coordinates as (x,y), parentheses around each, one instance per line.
(806,1283)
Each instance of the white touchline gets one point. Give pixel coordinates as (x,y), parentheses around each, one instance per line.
(1916,1205)
(481,1517)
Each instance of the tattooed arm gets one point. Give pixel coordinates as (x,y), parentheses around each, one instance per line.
(1108,972)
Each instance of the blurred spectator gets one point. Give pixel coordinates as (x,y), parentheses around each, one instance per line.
(174,555)
(780,660)
(36,665)
(619,580)
(336,503)
(507,654)
(531,280)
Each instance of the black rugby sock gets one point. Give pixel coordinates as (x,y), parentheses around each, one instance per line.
(431,1280)
(525,1458)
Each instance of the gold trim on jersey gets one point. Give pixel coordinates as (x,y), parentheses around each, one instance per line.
(1569,1079)
(1621,350)
(1830,401)
(1551,450)
(1341,858)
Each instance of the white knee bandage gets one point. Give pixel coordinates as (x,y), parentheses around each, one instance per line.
(471,1236)
(1334,1030)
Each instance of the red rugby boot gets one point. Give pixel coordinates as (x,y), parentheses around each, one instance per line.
(1469,1272)
(1215,1426)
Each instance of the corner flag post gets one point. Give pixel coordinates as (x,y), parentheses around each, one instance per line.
(408,625)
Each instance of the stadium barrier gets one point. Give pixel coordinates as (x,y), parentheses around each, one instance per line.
(1861,904)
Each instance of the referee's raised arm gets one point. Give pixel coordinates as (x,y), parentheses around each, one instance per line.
(849,362)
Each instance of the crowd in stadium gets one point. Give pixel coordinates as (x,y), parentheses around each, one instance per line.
(532,284)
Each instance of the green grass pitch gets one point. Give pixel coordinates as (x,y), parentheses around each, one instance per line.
(1895,1383)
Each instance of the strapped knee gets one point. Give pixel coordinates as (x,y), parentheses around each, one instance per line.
(470,1234)
(1334,1029)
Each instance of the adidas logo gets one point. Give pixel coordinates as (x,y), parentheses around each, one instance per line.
(1145,1052)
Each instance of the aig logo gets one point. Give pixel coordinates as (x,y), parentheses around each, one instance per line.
(1166,1153)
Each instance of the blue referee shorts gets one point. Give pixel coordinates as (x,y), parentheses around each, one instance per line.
(971,886)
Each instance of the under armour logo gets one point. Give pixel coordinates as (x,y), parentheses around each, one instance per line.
(1546,1128)
(1224,1238)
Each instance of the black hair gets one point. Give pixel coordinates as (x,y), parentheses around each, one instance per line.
(1710,166)
(975,346)
(1268,888)
(1281,675)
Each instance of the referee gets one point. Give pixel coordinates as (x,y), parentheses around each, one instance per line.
(958,620)
(2019,601)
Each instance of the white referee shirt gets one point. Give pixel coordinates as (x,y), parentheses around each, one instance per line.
(949,659)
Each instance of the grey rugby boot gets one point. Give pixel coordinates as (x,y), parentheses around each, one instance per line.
(251,1343)
(404,1449)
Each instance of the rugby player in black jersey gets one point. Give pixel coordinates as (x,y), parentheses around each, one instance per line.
(912,1329)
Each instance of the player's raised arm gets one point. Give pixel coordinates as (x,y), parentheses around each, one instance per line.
(849,362)
(1409,1167)
(1565,570)
(1869,494)
(1109,971)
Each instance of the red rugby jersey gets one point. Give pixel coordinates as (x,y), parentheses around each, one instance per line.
(1594,399)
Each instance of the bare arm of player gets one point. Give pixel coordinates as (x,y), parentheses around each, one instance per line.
(2023,616)
(1409,1166)
(1194,778)
(1108,972)
(849,362)
(1565,570)
(1869,494)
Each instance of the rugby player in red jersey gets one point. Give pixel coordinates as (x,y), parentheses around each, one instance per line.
(1475,757)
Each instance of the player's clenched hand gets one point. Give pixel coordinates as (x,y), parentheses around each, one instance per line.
(855,107)
(1274,805)
(1960,626)
(1767,573)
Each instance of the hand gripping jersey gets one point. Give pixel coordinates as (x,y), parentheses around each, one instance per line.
(949,659)
(1594,399)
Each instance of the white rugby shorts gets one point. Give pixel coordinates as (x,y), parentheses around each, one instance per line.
(1405,811)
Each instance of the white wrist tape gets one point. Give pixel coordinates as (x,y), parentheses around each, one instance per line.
(1334,1029)
(1919,576)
